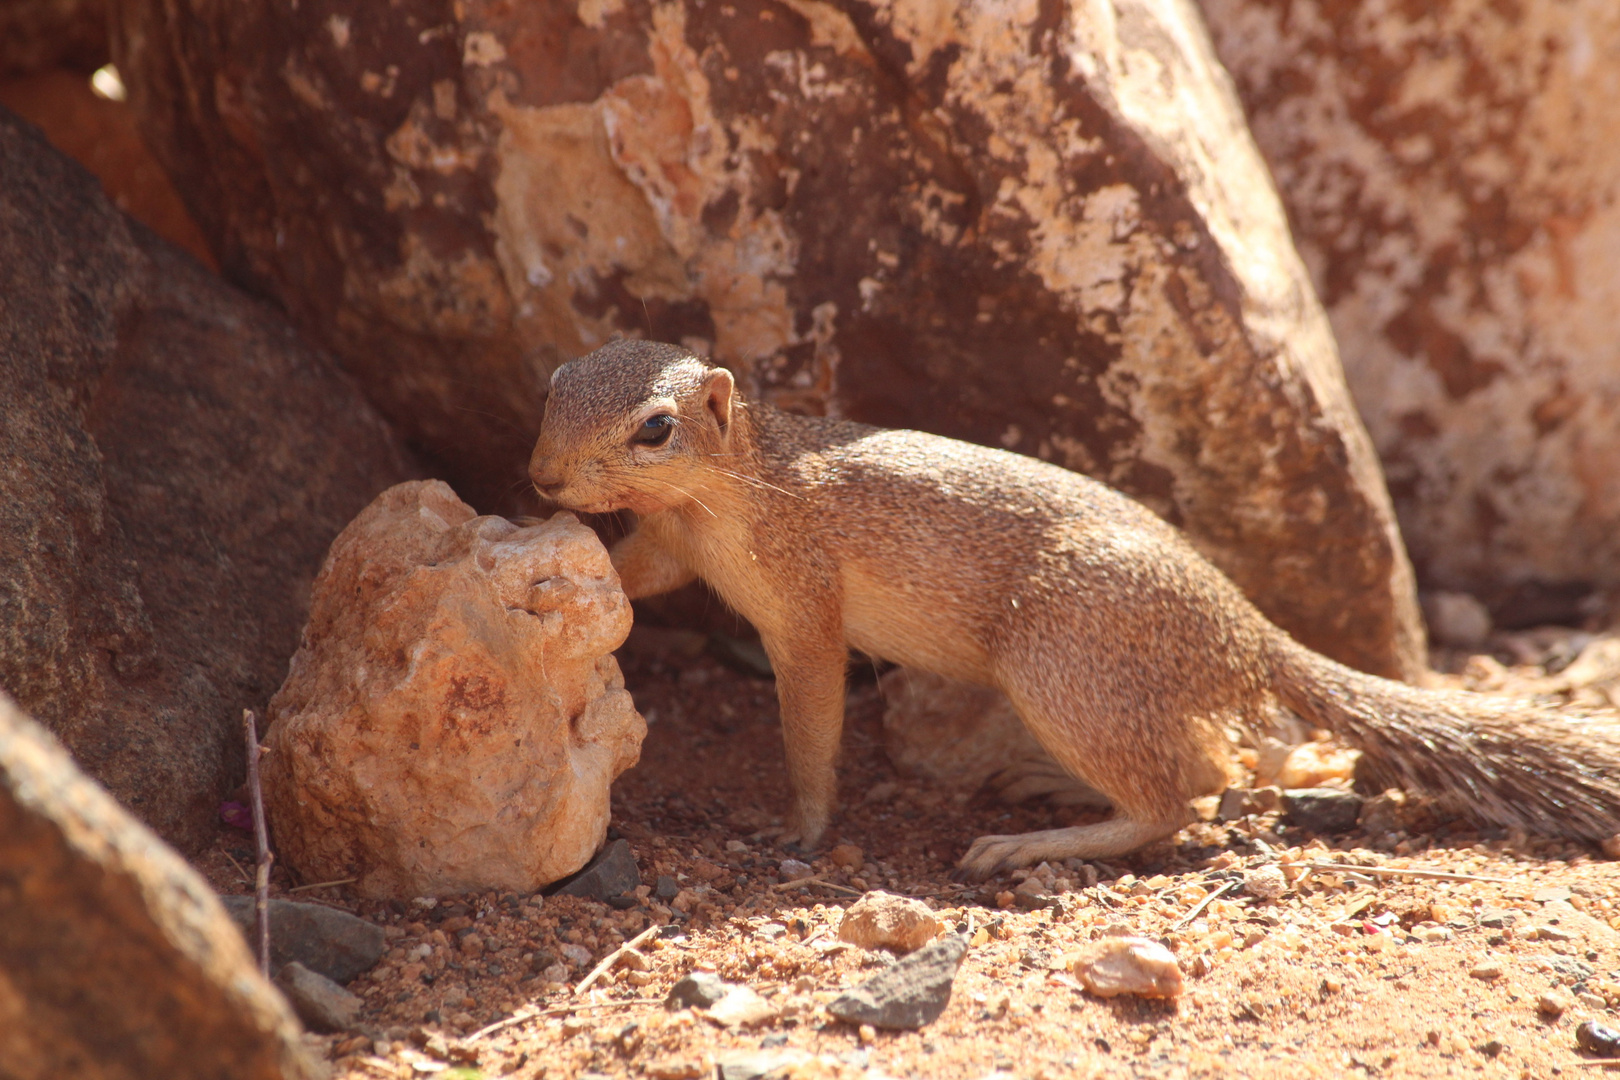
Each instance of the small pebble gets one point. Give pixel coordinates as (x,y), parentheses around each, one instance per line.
(1129,965)
(1487,969)
(1553,1003)
(848,856)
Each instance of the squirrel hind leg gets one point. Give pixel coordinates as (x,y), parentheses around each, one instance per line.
(991,855)
(1036,777)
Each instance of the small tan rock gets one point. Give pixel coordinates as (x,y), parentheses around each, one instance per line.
(1265,882)
(1554,1003)
(453,719)
(1312,764)
(1129,965)
(881,920)
(742,1007)
(1487,969)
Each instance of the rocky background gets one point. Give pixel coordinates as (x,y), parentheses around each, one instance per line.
(1036,225)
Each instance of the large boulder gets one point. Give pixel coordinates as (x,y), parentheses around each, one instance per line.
(175,463)
(39,34)
(454,717)
(117,961)
(1039,226)
(1452,170)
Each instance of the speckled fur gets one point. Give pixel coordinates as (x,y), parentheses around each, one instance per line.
(1123,650)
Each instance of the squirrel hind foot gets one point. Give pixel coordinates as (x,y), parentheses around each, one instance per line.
(992,855)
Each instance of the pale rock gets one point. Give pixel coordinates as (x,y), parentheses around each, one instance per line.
(1454,185)
(453,719)
(1312,764)
(1129,965)
(881,920)
(741,1007)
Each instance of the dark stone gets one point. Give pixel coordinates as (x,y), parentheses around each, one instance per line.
(116,958)
(910,992)
(319,1002)
(667,888)
(700,989)
(612,873)
(325,940)
(1595,1038)
(1323,810)
(1497,920)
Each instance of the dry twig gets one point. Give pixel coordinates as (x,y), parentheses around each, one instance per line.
(613,958)
(1401,871)
(816,881)
(324,884)
(561,1010)
(261,838)
(1198,908)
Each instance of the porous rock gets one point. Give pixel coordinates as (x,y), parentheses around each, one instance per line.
(453,719)
(881,920)
(1129,965)
(325,940)
(909,993)
(116,960)
(1454,186)
(1021,224)
(175,464)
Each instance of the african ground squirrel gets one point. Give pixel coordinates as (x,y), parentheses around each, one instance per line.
(1125,652)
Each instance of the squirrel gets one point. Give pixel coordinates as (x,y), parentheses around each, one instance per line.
(1126,653)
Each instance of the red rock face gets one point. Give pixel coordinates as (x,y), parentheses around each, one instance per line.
(176,463)
(1026,225)
(1452,171)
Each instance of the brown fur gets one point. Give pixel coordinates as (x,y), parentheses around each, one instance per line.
(1123,650)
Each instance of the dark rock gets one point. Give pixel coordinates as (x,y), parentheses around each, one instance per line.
(325,940)
(117,959)
(1323,810)
(667,888)
(700,989)
(1595,1038)
(910,992)
(612,873)
(177,465)
(1497,920)
(319,1002)
(1127,303)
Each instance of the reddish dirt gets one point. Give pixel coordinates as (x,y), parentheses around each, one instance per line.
(1349,972)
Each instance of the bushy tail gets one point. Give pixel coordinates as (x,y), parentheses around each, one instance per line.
(1495,761)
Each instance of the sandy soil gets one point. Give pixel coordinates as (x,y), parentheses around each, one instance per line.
(1360,971)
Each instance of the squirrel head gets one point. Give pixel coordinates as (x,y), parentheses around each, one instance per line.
(632,426)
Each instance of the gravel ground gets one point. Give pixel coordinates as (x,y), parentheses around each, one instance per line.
(1306,955)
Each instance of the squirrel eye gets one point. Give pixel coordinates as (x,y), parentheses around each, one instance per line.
(656,431)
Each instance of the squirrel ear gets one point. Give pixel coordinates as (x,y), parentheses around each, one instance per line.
(719,387)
